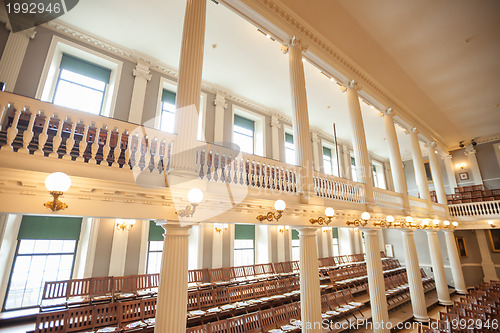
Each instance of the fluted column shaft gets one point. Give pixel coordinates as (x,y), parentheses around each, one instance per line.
(417,294)
(470,152)
(310,293)
(456,266)
(437,177)
(363,169)
(438,268)
(13,56)
(395,159)
(171,308)
(376,285)
(489,269)
(418,165)
(189,85)
(300,118)
(450,173)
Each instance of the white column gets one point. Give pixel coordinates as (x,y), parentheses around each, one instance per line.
(450,173)
(275,126)
(171,308)
(470,152)
(10,226)
(376,286)
(395,159)
(456,266)
(436,175)
(118,250)
(316,154)
(300,118)
(189,86)
(417,294)
(310,293)
(489,269)
(363,169)
(144,225)
(220,107)
(142,76)
(438,268)
(418,165)
(13,56)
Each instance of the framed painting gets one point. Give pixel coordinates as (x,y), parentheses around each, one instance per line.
(428,172)
(494,237)
(389,250)
(462,248)
(463,175)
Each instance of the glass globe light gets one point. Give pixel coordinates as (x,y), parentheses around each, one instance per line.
(454,223)
(279,205)
(435,221)
(58,182)
(446,222)
(329,212)
(409,219)
(195,195)
(490,222)
(389,218)
(365,216)
(425,222)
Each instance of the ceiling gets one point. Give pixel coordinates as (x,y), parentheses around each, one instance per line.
(415,49)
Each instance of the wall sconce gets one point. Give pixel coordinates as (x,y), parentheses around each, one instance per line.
(57,183)
(360,223)
(385,224)
(195,195)
(282,229)
(491,224)
(280,206)
(326,229)
(448,225)
(329,212)
(220,227)
(407,224)
(124,225)
(460,165)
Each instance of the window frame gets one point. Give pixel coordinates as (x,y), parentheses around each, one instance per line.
(289,131)
(16,255)
(50,73)
(155,251)
(259,130)
(235,249)
(243,134)
(333,158)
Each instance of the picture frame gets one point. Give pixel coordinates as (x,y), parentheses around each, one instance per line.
(494,237)
(428,172)
(463,175)
(461,246)
(389,251)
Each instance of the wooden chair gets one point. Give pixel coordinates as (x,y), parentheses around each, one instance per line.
(79,319)
(220,326)
(253,323)
(105,315)
(130,315)
(234,294)
(237,325)
(221,296)
(268,319)
(78,292)
(198,329)
(101,289)
(124,287)
(54,294)
(192,301)
(206,298)
(48,322)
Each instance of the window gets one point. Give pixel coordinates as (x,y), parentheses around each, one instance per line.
(81,85)
(363,241)
(155,248)
(335,235)
(289,149)
(45,252)
(244,134)
(295,245)
(354,175)
(378,175)
(329,162)
(167,116)
(244,244)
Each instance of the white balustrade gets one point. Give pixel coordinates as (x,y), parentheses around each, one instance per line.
(335,188)
(388,199)
(483,208)
(418,205)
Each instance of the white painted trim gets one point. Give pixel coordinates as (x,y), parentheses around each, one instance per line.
(143,255)
(118,256)
(260,126)
(82,249)
(8,252)
(58,46)
(193,240)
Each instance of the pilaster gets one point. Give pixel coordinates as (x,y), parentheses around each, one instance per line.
(275,126)
(450,173)
(316,154)
(220,107)
(142,77)
(489,269)
(470,152)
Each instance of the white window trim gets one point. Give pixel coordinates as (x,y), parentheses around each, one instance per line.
(496,148)
(330,146)
(259,133)
(50,72)
(380,172)
(289,130)
(171,85)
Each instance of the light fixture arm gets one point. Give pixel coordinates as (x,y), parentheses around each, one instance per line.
(55,204)
(270,216)
(358,223)
(188,211)
(383,224)
(321,220)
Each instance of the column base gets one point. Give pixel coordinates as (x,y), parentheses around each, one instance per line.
(445,303)
(461,292)
(421,319)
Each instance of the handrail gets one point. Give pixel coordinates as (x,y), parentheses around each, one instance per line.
(336,188)
(388,199)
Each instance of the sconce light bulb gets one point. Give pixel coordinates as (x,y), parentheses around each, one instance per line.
(435,221)
(58,182)
(365,216)
(279,205)
(195,195)
(389,218)
(446,222)
(490,222)
(409,219)
(454,223)
(329,212)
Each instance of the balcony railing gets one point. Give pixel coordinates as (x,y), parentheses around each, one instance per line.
(32,127)
(476,209)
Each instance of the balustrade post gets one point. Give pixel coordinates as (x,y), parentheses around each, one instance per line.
(82,145)
(57,139)
(105,147)
(12,131)
(28,135)
(70,142)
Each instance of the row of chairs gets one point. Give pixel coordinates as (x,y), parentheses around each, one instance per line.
(83,292)
(477,312)
(107,317)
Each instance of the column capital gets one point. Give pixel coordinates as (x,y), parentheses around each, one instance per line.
(369,231)
(448,231)
(174,229)
(449,157)
(407,231)
(275,121)
(314,137)
(389,112)
(307,231)
(431,231)
(220,99)
(293,42)
(469,149)
(30,33)
(141,70)
(433,144)
(415,130)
